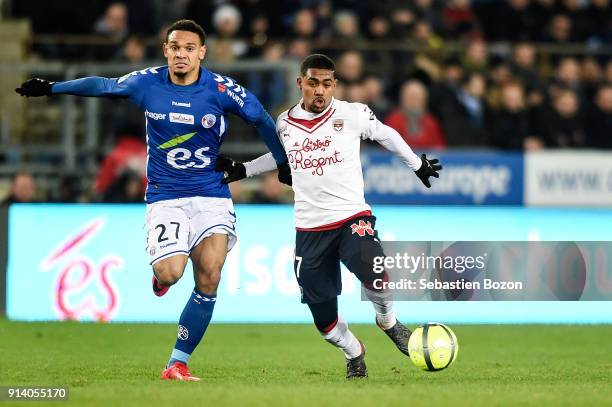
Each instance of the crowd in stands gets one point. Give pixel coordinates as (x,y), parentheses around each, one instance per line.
(504,74)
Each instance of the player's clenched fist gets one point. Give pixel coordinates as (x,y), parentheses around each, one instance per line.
(429,168)
(284,174)
(234,170)
(35,87)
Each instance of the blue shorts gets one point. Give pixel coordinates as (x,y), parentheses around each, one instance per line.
(318,255)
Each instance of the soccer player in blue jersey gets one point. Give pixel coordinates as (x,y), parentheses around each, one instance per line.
(189,210)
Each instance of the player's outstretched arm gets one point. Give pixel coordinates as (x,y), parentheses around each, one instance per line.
(94,86)
(266,128)
(392,141)
(236,171)
(35,87)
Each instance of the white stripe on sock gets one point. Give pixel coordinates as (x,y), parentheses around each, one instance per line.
(341,337)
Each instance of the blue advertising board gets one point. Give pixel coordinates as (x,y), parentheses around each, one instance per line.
(88,262)
(469,178)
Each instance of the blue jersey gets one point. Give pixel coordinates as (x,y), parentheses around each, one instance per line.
(185,126)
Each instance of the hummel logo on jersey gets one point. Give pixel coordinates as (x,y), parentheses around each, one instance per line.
(362,228)
(155,116)
(181,104)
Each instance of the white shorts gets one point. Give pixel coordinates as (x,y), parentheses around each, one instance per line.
(176,226)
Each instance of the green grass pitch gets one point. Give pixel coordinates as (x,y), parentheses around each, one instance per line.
(290,365)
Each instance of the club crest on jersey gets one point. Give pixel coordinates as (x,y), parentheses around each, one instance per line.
(362,228)
(221,87)
(209,120)
(338,124)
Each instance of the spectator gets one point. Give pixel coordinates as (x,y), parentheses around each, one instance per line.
(574,10)
(350,67)
(271,191)
(567,76)
(23,189)
(259,28)
(133,51)
(269,86)
(299,49)
(378,28)
(355,92)
(426,10)
(225,46)
(475,57)
(114,25)
(444,91)
(562,126)
(346,28)
(559,30)
(130,153)
(465,120)
(304,24)
(419,128)
(500,75)
(591,77)
(510,127)
(402,20)
(375,96)
(599,119)
(543,11)
(127,188)
(114,22)
(524,65)
(459,20)
(70,190)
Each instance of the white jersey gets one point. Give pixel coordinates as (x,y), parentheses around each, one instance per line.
(324,156)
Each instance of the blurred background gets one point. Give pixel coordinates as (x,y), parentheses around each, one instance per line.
(514,97)
(482,77)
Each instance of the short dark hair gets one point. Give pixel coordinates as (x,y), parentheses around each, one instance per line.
(187,25)
(317,61)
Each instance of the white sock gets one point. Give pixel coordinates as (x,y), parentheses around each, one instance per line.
(383,306)
(341,337)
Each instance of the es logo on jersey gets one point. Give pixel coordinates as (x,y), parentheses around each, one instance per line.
(181,118)
(183,158)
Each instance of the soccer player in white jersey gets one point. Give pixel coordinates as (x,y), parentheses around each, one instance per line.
(321,136)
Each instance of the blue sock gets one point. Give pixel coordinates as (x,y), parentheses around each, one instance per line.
(192,325)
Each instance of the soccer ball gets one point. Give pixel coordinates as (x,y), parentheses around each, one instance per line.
(433,346)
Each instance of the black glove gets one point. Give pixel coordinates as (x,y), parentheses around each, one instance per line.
(284,173)
(35,87)
(429,168)
(235,171)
